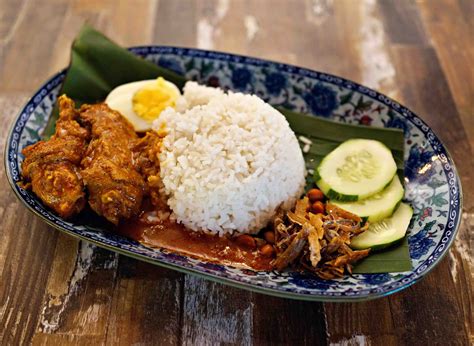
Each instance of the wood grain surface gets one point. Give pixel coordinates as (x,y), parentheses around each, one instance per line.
(57,290)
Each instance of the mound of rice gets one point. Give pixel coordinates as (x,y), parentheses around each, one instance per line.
(228,161)
(195,94)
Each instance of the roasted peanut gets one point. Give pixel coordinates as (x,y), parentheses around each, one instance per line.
(315,195)
(317,207)
(269,236)
(267,250)
(259,241)
(246,240)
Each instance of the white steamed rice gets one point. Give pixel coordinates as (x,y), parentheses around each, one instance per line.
(228,161)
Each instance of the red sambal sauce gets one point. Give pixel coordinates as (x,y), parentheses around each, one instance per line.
(154,232)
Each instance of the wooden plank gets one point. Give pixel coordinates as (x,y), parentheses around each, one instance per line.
(78,294)
(278,321)
(22,294)
(75,16)
(25,61)
(433,304)
(221,26)
(146,305)
(428,94)
(320,28)
(402,22)
(174,23)
(11,12)
(425,91)
(106,294)
(139,25)
(376,63)
(451,31)
(26,246)
(215,314)
(361,323)
(106,16)
(467,11)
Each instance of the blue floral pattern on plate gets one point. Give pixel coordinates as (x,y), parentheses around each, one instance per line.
(432,184)
(241,77)
(321,100)
(275,82)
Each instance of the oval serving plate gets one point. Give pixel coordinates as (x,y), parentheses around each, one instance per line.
(431,181)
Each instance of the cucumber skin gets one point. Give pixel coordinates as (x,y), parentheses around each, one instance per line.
(377,248)
(385,245)
(369,214)
(341,197)
(389,214)
(330,193)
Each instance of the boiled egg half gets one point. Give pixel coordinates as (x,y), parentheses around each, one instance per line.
(142,102)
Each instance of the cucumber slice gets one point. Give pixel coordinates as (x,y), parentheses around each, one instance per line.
(356,169)
(384,233)
(378,206)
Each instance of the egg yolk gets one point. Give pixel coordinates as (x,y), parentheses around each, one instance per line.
(151,100)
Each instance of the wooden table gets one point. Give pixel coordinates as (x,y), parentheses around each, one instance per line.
(57,290)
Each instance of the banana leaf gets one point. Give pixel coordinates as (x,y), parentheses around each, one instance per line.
(98,65)
(326,135)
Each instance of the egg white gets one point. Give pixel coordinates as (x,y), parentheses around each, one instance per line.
(120,99)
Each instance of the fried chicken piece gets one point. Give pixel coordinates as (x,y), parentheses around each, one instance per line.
(115,187)
(51,168)
(146,151)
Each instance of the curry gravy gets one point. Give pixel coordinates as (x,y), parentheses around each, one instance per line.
(153,232)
